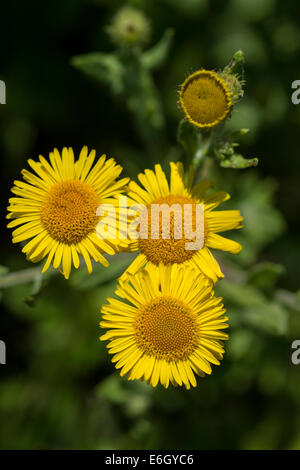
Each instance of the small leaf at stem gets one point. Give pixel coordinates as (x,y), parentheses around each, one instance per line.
(237,161)
(158,54)
(105,68)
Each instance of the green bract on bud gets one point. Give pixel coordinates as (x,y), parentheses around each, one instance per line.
(235,84)
(233,75)
(129,27)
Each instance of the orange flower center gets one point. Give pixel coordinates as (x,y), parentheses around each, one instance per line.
(205,98)
(173,246)
(167,328)
(69,211)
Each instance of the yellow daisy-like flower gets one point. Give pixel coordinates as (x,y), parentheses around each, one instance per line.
(205,98)
(173,250)
(166,328)
(56,208)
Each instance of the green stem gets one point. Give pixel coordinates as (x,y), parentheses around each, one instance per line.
(205,150)
(23,276)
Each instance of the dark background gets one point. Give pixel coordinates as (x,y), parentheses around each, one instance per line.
(58,389)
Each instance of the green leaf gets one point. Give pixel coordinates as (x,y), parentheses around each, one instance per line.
(265,275)
(225,150)
(240,295)
(112,390)
(241,341)
(105,68)
(290,300)
(237,161)
(263,222)
(237,134)
(271,318)
(236,65)
(133,397)
(158,54)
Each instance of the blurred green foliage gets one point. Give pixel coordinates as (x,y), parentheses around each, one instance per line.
(59,389)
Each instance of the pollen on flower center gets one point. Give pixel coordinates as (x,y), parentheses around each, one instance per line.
(166,328)
(172,249)
(205,98)
(68,211)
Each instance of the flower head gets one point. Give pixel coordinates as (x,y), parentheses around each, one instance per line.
(56,208)
(166,327)
(205,98)
(129,27)
(157,249)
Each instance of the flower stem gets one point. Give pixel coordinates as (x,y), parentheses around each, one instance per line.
(23,276)
(205,150)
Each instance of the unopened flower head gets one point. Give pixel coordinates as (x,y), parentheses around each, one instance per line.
(205,98)
(56,208)
(129,27)
(165,327)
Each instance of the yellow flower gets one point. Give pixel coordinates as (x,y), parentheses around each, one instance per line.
(166,326)
(205,98)
(56,208)
(173,250)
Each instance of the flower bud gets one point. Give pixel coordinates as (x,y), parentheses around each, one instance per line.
(129,27)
